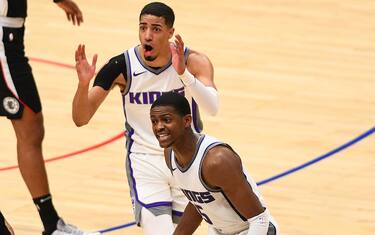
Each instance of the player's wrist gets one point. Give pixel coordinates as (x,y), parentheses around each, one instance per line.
(82,84)
(187,78)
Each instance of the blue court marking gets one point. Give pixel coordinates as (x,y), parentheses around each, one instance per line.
(315,160)
(117,227)
(285,173)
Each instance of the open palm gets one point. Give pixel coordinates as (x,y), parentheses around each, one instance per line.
(178,58)
(84,70)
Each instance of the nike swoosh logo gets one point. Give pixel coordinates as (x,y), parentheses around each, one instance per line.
(173,169)
(137,74)
(45,199)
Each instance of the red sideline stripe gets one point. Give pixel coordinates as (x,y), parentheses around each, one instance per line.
(52,62)
(118,136)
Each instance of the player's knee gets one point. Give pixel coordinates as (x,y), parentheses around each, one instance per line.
(31,134)
(37,136)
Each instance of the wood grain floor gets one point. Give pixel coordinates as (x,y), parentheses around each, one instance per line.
(296,80)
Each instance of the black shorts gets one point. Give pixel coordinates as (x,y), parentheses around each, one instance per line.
(17,85)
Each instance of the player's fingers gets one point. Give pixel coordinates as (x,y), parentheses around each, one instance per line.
(73,17)
(179,39)
(76,55)
(179,43)
(94,59)
(79,49)
(79,52)
(79,18)
(178,47)
(172,47)
(78,14)
(68,16)
(83,52)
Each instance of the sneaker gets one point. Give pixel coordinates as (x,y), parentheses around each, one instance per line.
(68,229)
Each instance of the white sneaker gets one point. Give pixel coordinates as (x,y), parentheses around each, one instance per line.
(68,229)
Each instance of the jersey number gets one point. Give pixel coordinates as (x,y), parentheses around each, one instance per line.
(204,216)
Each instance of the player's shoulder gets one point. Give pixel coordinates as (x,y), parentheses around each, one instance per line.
(219,165)
(197,58)
(220,157)
(195,54)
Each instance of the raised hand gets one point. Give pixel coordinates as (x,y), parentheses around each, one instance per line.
(73,13)
(85,71)
(178,57)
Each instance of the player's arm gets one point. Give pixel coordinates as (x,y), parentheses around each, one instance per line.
(86,102)
(222,169)
(189,222)
(197,75)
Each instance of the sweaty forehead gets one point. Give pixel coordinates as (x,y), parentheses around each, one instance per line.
(152,19)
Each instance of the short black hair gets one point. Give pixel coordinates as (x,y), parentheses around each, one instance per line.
(175,100)
(161,10)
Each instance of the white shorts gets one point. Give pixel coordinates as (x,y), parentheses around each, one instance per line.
(152,187)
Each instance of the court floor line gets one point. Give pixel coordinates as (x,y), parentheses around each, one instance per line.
(317,159)
(50,62)
(84,150)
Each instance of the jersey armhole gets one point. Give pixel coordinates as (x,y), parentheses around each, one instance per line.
(209,188)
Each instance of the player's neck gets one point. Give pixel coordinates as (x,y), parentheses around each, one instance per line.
(186,148)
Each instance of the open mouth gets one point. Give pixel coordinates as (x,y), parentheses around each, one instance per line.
(148,52)
(148,48)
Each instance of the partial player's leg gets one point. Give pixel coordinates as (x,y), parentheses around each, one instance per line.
(153,224)
(30,133)
(21,104)
(150,192)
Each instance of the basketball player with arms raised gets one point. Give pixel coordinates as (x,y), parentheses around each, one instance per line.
(210,174)
(144,73)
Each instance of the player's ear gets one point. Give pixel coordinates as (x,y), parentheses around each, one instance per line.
(187,120)
(171,32)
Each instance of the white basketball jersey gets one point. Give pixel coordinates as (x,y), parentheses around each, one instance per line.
(213,205)
(144,85)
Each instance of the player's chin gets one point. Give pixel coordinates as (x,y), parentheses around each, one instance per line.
(165,143)
(150,58)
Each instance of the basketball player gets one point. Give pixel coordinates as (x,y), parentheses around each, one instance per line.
(19,102)
(209,173)
(143,73)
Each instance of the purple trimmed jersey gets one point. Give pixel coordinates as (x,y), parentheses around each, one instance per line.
(144,85)
(211,203)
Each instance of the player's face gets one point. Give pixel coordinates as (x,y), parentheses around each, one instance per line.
(154,36)
(168,126)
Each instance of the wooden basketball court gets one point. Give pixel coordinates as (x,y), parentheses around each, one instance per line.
(296,81)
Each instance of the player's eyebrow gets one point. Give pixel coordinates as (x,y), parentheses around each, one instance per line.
(154,24)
